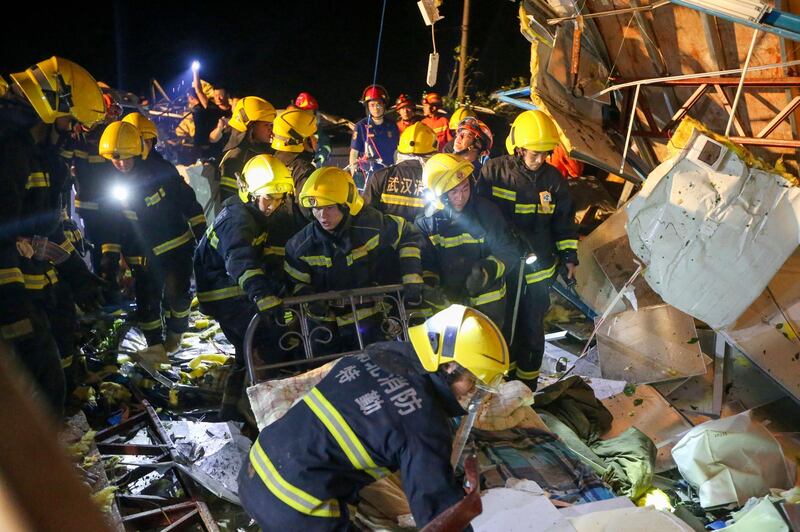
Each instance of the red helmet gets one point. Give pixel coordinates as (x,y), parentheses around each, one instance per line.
(403,101)
(374,92)
(113,108)
(432,98)
(481,131)
(306,102)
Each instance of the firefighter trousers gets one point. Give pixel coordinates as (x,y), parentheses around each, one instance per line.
(527,349)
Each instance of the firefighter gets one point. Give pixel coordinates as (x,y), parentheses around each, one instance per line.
(404,107)
(469,249)
(381,411)
(238,264)
(307,102)
(398,189)
(252,123)
(473,141)
(349,245)
(294,141)
(455,119)
(536,203)
(46,101)
(431,104)
(374,139)
(165,220)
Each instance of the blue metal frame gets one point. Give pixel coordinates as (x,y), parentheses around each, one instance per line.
(508,97)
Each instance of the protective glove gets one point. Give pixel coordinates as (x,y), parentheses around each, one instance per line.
(412,294)
(478,279)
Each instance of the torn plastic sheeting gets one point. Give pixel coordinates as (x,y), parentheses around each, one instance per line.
(704,221)
(757,516)
(731,459)
(211,453)
(507,510)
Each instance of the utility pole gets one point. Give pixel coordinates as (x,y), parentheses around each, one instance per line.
(462,62)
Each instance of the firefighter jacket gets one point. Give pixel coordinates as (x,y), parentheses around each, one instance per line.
(91,170)
(301,166)
(458,242)
(29,207)
(367,249)
(161,209)
(236,156)
(242,254)
(397,190)
(538,207)
(359,424)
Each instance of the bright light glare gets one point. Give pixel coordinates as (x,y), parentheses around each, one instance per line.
(195,66)
(119,192)
(530,259)
(430,195)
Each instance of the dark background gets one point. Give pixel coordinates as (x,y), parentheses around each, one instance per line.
(274,49)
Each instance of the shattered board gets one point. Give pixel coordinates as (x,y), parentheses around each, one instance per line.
(652,344)
(211,453)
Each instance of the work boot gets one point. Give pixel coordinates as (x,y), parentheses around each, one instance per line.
(173,341)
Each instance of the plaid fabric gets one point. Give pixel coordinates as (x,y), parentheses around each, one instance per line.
(539,456)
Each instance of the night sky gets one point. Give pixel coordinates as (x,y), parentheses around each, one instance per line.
(271,49)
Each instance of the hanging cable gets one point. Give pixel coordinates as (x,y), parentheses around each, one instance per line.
(378,48)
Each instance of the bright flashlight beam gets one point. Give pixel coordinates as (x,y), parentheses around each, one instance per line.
(120,192)
(195,66)
(530,259)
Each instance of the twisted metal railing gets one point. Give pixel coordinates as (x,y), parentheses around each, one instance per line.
(306,328)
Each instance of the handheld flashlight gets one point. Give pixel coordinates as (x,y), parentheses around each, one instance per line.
(119,192)
(195,66)
(530,259)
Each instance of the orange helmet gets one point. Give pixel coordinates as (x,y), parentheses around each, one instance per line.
(305,101)
(374,92)
(113,108)
(432,98)
(403,101)
(481,131)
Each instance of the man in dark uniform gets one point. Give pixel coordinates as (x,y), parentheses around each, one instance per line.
(349,246)
(374,413)
(238,264)
(469,249)
(295,143)
(398,188)
(44,102)
(165,220)
(535,201)
(252,124)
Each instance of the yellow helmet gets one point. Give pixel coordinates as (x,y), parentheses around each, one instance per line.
(145,126)
(58,87)
(466,336)
(3,87)
(418,139)
(291,128)
(460,114)
(534,130)
(331,186)
(265,174)
(120,140)
(251,109)
(509,144)
(443,172)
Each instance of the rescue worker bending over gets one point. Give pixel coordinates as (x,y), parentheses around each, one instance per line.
(164,221)
(398,188)
(45,101)
(469,249)
(375,413)
(294,141)
(350,246)
(251,122)
(536,203)
(238,264)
